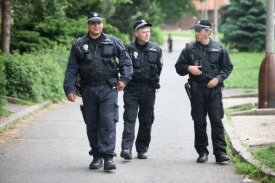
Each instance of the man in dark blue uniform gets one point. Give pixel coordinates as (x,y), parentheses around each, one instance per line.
(93,60)
(208,65)
(140,93)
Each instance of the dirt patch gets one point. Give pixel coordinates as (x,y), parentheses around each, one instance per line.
(13,132)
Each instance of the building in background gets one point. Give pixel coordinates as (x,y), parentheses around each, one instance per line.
(205,9)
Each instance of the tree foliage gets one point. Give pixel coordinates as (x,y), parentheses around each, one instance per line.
(243,25)
(174,10)
(126,15)
(44,24)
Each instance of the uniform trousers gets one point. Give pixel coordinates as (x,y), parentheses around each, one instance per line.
(208,101)
(101,115)
(138,101)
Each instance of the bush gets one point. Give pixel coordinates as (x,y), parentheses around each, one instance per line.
(29,41)
(109,29)
(156,35)
(2,84)
(34,77)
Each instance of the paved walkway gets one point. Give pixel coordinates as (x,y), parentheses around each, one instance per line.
(52,145)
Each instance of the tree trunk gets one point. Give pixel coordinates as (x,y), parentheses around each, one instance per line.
(6,11)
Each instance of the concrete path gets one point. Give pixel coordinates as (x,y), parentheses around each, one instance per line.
(52,146)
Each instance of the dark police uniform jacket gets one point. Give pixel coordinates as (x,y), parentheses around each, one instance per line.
(146,63)
(213,58)
(97,64)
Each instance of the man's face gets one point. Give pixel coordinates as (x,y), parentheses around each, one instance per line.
(143,35)
(202,35)
(95,29)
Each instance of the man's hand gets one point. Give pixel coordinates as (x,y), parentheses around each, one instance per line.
(120,86)
(194,70)
(212,83)
(71,97)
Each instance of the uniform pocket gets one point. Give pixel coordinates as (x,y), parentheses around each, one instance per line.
(152,56)
(116,115)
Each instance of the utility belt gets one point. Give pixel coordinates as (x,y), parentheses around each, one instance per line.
(137,84)
(95,83)
(196,84)
(110,81)
(199,84)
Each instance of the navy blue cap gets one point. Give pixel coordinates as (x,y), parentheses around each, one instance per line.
(141,23)
(94,17)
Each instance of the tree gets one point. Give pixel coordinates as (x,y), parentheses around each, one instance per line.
(6,10)
(174,10)
(79,8)
(243,25)
(126,15)
(156,12)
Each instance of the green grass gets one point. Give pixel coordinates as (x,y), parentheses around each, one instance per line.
(245,72)
(240,108)
(251,171)
(248,91)
(266,156)
(4,113)
(264,124)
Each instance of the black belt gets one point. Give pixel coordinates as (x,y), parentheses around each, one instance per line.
(138,84)
(202,84)
(95,83)
(198,84)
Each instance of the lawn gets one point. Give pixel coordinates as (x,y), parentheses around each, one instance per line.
(246,70)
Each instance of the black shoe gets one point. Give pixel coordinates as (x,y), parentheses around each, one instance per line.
(142,155)
(109,164)
(126,154)
(96,163)
(221,158)
(202,156)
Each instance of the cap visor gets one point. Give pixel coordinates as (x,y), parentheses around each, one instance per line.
(200,27)
(143,24)
(95,19)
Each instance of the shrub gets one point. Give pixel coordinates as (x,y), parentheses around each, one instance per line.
(2,84)
(156,35)
(34,77)
(29,41)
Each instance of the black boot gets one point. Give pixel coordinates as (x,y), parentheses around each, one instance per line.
(142,155)
(109,164)
(221,158)
(202,156)
(96,163)
(126,154)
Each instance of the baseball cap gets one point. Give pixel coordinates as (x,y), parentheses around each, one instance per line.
(141,23)
(201,24)
(94,17)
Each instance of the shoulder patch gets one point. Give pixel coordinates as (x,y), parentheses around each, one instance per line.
(161,60)
(152,49)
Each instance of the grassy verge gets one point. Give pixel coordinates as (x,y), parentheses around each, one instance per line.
(246,70)
(251,171)
(4,113)
(240,108)
(265,156)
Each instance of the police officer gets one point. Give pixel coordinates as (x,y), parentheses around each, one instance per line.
(140,93)
(92,59)
(208,65)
